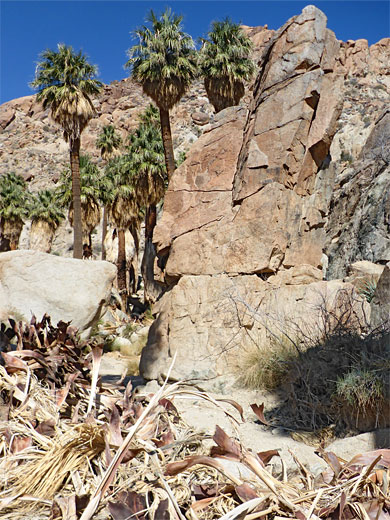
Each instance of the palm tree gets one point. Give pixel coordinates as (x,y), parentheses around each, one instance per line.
(124,213)
(108,143)
(225,63)
(14,209)
(147,159)
(65,81)
(45,216)
(164,63)
(89,197)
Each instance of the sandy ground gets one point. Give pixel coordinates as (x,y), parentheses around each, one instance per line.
(204,416)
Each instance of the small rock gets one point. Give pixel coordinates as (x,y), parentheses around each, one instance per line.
(200,118)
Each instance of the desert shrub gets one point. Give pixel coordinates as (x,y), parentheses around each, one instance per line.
(360,387)
(340,380)
(366,121)
(332,371)
(346,157)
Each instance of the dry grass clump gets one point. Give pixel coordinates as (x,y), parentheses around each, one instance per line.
(267,366)
(102,452)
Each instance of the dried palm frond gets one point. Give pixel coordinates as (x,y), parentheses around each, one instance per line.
(70,451)
(139,459)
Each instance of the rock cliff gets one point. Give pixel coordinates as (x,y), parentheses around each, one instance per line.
(246,222)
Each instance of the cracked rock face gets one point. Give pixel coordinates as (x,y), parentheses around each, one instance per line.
(245,213)
(359,223)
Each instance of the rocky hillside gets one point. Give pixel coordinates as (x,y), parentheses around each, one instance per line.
(32,145)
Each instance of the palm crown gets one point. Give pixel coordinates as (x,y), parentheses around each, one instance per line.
(14,197)
(43,206)
(65,81)
(164,61)
(14,202)
(108,141)
(225,63)
(147,157)
(89,176)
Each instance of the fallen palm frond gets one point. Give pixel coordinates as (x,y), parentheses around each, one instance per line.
(136,458)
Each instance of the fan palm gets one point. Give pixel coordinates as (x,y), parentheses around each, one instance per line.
(108,143)
(225,64)
(65,81)
(89,197)
(147,158)
(124,213)
(45,216)
(164,63)
(14,209)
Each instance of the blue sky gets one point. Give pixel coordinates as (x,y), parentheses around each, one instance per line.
(101,28)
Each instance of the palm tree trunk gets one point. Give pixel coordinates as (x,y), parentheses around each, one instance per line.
(152,289)
(104,232)
(121,266)
(41,236)
(134,263)
(76,192)
(150,221)
(4,240)
(167,142)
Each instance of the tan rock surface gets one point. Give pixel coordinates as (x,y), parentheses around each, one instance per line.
(35,283)
(380,305)
(211,322)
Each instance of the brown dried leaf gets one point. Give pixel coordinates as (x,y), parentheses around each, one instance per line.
(374,509)
(233,403)
(266,456)
(162,511)
(46,428)
(333,461)
(13,364)
(343,502)
(166,438)
(168,405)
(245,492)
(129,505)
(204,491)
(19,443)
(174,468)
(199,505)
(115,427)
(368,458)
(229,447)
(67,505)
(259,412)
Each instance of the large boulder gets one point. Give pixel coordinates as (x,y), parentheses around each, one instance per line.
(253,195)
(213,323)
(35,283)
